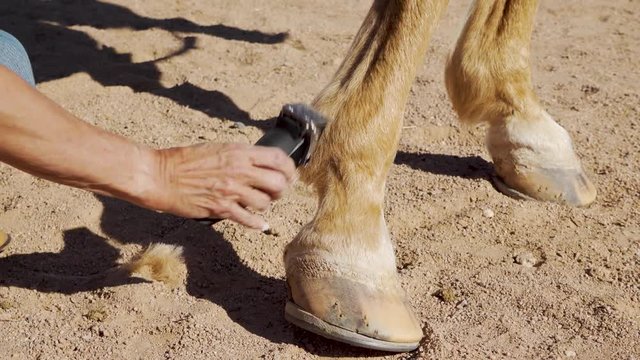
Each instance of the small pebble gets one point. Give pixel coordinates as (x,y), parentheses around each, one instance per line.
(238,125)
(6,304)
(209,135)
(526,259)
(98,315)
(462,304)
(488,213)
(570,353)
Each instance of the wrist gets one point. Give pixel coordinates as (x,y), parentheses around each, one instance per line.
(145,182)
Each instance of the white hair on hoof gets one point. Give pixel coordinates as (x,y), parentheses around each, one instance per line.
(159,262)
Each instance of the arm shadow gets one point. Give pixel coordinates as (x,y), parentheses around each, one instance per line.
(58,49)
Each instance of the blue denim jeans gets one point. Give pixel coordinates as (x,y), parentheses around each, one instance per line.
(14,57)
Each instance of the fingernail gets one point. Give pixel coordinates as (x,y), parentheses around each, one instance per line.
(265,227)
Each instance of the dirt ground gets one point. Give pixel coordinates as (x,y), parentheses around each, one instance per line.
(526,280)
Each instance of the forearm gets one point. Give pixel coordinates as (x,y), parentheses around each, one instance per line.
(207,180)
(41,138)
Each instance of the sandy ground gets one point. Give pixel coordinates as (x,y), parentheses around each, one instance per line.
(174,72)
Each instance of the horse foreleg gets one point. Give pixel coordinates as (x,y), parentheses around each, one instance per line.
(341,267)
(488,78)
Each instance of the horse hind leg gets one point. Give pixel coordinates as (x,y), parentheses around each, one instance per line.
(488,79)
(341,268)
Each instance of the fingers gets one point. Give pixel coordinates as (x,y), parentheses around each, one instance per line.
(245,217)
(267,169)
(235,202)
(229,189)
(273,183)
(253,199)
(224,180)
(274,159)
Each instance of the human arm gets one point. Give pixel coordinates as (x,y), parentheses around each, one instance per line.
(208,180)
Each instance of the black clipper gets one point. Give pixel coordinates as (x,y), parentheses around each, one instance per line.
(296,132)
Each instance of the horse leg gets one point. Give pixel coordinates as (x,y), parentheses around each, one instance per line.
(341,268)
(488,78)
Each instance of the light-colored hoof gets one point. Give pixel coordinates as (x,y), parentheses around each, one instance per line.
(5,239)
(351,305)
(557,185)
(303,319)
(535,159)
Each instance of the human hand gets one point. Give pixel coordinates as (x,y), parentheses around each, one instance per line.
(219,181)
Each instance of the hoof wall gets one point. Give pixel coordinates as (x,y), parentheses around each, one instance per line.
(556,185)
(303,319)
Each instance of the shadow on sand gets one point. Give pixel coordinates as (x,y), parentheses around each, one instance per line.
(57,50)
(215,272)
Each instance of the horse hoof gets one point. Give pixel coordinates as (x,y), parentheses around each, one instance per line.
(350,304)
(557,185)
(535,159)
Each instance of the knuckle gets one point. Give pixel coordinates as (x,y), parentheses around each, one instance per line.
(225,186)
(235,152)
(215,210)
(238,171)
(237,159)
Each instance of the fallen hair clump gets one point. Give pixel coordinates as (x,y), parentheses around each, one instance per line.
(158,262)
